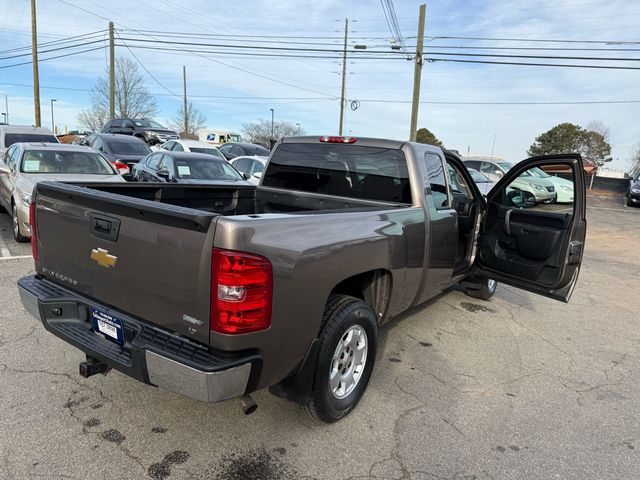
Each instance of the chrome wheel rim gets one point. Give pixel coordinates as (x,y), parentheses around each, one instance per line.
(491,284)
(348,362)
(16,226)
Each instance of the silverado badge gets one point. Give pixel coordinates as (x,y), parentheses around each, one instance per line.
(102,257)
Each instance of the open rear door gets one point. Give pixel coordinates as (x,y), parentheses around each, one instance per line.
(533,231)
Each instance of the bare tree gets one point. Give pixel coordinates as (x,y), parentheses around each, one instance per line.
(260,131)
(195,120)
(600,128)
(634,171)
(132,99)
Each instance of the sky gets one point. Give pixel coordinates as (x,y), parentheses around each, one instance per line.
(234,89)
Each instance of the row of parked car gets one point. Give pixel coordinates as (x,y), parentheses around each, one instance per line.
(29,155)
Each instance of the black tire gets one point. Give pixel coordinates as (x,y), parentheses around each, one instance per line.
(486,290)
(18,237)
(341,313)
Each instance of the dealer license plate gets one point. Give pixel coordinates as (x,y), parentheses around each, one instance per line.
(108,325)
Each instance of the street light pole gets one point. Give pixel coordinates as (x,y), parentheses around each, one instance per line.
(298,128)
(272,115)
(53,124)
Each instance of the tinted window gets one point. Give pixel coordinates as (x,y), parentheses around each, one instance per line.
(127,147)
(370,173)
(242,165)
(11,138)
(205,169)
(145,122)
(116,124)
(472,164)
(257,150)
(434,176)
(177,147)
(47,161)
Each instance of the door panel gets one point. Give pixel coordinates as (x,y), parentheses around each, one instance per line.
(528,239)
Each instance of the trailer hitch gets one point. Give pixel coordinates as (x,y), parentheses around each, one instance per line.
(93,366)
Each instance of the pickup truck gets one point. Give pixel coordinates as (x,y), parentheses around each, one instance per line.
(217,291)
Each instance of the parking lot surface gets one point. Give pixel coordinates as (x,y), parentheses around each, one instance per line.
(518,387)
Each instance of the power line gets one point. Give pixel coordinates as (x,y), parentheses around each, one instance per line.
(604,67)
(85,36)
(146,69)
(67,47)
(53,58)
(539,40)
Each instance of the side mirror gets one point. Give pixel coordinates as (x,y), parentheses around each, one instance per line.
(521,198)
(499,173)
(246,176)
(4,168)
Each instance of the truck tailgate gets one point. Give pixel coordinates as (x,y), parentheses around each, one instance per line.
(148,259)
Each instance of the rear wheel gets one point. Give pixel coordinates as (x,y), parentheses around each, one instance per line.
(16,225)
(345,359)
(486,289)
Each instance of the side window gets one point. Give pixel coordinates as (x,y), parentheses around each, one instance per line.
(472,164)
(242,165)
(168,146)
(458,183)
(177,147)
(98,145)
(116,124)
(7,156)
(153,161)
(258,167)
(12,158)
(436,178)
(236,150)
(165,163)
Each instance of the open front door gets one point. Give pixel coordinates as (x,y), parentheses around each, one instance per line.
(533,231)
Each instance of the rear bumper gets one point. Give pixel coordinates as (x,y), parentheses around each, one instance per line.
(150,354)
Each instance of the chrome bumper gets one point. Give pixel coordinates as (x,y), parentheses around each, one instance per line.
(161,371)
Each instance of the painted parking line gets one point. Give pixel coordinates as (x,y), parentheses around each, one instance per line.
(623,209)
(15,257)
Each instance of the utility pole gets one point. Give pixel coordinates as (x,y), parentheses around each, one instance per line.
(112,74)
(186,113)
(6,109)
(344,73)
(417,75)
(36,77)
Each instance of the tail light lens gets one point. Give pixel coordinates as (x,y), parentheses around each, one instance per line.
(328,139)
(122,167)
(34,236)
(241,288)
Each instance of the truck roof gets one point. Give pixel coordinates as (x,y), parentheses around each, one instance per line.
(362,141)
(25,129)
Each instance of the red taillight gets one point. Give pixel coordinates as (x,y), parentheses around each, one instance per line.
(121,167)
(241,286)
(338,139)
(32,224)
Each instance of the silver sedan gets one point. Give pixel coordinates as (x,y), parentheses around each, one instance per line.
(26,164)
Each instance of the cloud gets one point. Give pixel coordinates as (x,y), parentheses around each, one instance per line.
(459,126)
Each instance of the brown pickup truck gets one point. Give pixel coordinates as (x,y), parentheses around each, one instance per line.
(216,291)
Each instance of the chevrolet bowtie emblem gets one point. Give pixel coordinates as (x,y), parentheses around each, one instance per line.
(102,257)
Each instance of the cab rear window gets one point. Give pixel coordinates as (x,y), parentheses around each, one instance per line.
(370,173)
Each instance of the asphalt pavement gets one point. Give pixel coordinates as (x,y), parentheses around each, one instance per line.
(520,387)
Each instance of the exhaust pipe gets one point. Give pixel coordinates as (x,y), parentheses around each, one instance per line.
(92,367)
(248,405)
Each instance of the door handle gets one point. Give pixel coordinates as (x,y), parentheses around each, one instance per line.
(104,227)
(507,217)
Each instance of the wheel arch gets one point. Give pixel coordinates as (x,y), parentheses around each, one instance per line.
(374,287)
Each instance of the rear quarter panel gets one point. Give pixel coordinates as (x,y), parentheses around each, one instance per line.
(310,255)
